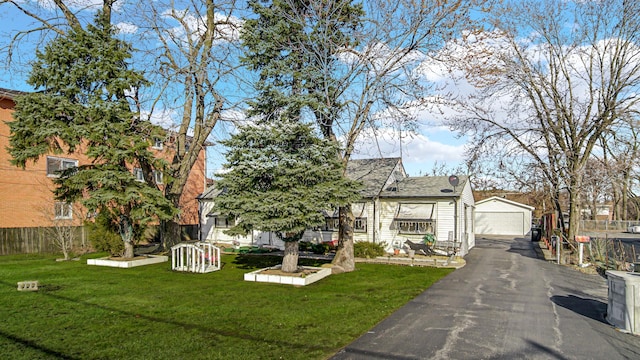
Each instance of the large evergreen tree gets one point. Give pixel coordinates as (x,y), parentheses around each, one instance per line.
(280,178)
(296,47)
(85,101)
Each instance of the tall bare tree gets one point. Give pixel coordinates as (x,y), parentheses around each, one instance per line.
(195,65)
(551,76)
(188,51)
(620,149)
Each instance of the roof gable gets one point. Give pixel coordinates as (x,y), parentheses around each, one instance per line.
(505,201)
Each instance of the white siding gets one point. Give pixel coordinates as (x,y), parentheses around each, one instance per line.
(445,219)
(467,222)
(212,234)
(388,235)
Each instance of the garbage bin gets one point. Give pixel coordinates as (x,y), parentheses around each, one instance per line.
(536,234)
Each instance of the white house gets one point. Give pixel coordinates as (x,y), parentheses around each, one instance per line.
(394,208)
(498,216)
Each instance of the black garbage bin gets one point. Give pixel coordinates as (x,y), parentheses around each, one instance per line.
(536,234)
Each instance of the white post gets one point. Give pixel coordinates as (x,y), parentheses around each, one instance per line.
(580,251)
(192,260)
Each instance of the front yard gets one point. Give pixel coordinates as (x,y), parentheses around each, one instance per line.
(151,312)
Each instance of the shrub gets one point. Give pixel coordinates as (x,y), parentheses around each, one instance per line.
(320,248)
(304,246)
(104,237)
(366,249)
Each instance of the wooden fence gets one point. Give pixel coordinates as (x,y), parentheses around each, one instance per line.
(39,240)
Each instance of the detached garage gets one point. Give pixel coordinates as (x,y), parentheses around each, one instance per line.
(498,216)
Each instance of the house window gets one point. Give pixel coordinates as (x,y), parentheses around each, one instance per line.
(331,224)
(416,226)
(138,174)
(157,143)
(157,176)
(415,218)
(223,222)
(55,165)
(360,225)
(63,210)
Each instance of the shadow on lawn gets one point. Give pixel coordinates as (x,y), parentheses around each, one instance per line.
(207,331)
(31,344)
(252,262)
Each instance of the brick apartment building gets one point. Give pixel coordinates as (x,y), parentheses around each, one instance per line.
(26,198)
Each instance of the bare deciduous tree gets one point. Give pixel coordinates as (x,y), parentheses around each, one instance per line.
(189,52)
(552,77)
(195,66)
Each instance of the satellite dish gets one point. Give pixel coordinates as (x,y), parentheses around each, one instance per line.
(453,180)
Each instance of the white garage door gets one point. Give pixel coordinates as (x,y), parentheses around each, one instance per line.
(500,223)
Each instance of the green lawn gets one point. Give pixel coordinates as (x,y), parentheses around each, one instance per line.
(151,312)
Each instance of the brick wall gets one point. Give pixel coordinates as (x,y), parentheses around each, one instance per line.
(26,199)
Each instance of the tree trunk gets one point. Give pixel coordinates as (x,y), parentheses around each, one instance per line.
(171,234)
(290,259)
(574,204)
(126,232)
(625,195)
(344,260)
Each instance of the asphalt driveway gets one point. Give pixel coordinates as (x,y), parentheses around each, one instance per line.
(506,303)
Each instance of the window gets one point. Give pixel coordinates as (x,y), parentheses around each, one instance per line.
(415,218)
(63,210)
(55,165)
(157,143)
(137,173)
(157,176)
(223,222)
(415,226)
(331,224)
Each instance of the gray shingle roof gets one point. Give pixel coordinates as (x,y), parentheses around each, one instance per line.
(425,186)
(374,173)
(210,193)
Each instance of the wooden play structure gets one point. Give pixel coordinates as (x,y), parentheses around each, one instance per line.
(198,257)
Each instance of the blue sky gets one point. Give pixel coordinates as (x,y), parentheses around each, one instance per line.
(421,150)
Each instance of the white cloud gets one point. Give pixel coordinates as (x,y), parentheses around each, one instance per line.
(419,151)
(164,118)
(126,28)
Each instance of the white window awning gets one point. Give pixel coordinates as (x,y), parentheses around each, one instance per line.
(330,213)
(359,210)
(415,212)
